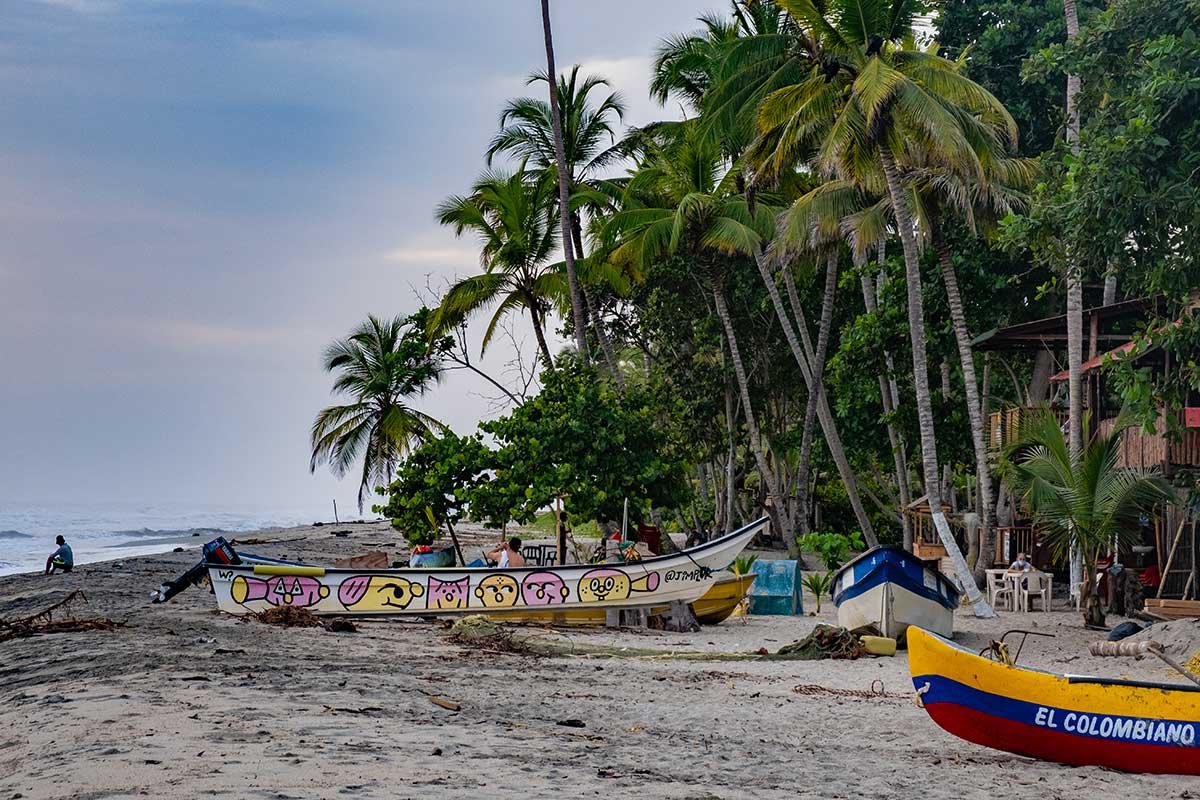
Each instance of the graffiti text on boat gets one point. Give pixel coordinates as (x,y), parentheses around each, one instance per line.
(1128,729)
(700,573)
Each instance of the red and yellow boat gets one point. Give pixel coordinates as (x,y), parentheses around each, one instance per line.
(1133,726)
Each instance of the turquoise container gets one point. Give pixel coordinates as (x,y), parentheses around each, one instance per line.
(777,589)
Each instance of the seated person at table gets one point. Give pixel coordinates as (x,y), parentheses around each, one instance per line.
(508,554)
(1020,565)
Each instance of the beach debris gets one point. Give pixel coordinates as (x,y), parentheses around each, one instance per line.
(340,625)
(288,617)
(875,692)
(348,710)
(442,702)
(477,630)
(571,723)
(1193,664)
(376,559)
(879,645)
(826,641)
(44,621)
(1124,631)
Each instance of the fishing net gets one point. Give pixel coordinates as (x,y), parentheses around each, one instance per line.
(826,641)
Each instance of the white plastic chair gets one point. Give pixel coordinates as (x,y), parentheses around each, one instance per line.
(999,585)
(1038,585)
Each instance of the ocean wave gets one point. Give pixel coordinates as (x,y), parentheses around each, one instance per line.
(14,535)
(168,532)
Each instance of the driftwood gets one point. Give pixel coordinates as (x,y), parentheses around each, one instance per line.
(1144,647)
(44,622)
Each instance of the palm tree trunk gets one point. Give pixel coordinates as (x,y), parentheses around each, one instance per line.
(887,398)
(974,407)
(916,326)
(818,370)
(606,348)
(540,334)
(731,461)
(560,158)
(828,425)
(774,499)
(1074,296)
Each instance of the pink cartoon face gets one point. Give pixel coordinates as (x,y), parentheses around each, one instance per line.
(543,589)
(282,590)
(448,594)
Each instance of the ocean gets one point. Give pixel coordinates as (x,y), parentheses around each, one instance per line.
(103,532)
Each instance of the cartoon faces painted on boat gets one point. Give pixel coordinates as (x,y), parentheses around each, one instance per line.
(281,590)
(543,589)
(448,594)
(608,584)
(365,593)
(497,591)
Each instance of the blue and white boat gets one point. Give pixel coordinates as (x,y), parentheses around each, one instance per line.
(890,588)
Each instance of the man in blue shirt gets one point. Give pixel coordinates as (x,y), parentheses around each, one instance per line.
(62,558)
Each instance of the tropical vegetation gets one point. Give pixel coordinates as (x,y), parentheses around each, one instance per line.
(773,306)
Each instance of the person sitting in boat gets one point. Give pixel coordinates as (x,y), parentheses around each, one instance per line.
(508,554)
(60,559)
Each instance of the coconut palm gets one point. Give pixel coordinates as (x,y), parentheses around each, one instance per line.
(872,93)
(1082,500)
(589,137)
(682,199)
(515,217)
(379,366)
(564,194)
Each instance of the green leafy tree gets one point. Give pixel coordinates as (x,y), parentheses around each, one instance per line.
(584,444)
(380,366)
(832,548)
(434,486)
(1082,499)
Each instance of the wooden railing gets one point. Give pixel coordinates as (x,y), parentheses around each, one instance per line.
(1013,539)
(1007,425)
(1141,449)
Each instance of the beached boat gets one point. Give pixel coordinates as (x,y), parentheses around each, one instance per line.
(685,576)
(1083,721)
(711,608)
(890,588)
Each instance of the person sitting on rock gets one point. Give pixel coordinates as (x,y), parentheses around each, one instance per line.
(60,559)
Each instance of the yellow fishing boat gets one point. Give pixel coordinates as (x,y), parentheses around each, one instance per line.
(712,608)
(1134,726)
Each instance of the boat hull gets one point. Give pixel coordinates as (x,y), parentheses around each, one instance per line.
(253,588)
(1124,725)
(711,608)
(891,589)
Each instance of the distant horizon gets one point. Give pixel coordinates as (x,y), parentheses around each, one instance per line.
(198,200)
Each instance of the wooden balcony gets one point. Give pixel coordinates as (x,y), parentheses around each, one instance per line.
(1007,425)
(1144,450)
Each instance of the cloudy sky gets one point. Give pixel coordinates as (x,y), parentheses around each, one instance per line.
(197,195)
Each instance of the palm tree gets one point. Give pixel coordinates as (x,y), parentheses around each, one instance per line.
(1082,500)
(682,199)
(379,366)
(1074,288)
(589,137)
(564,193)
(515,217)
(873,92)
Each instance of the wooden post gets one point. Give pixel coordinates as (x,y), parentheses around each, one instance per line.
(560,532)
(454,538)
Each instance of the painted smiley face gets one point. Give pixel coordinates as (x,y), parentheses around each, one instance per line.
(543,589)
(378,592)
(497,591)
(448,594)
(599,585)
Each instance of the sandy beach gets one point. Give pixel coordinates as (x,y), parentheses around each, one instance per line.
(182,701)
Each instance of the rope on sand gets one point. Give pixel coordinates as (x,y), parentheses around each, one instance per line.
(874,693)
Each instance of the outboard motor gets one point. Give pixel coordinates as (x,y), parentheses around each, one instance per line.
(218,551)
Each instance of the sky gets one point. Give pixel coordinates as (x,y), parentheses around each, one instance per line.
(197,196)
